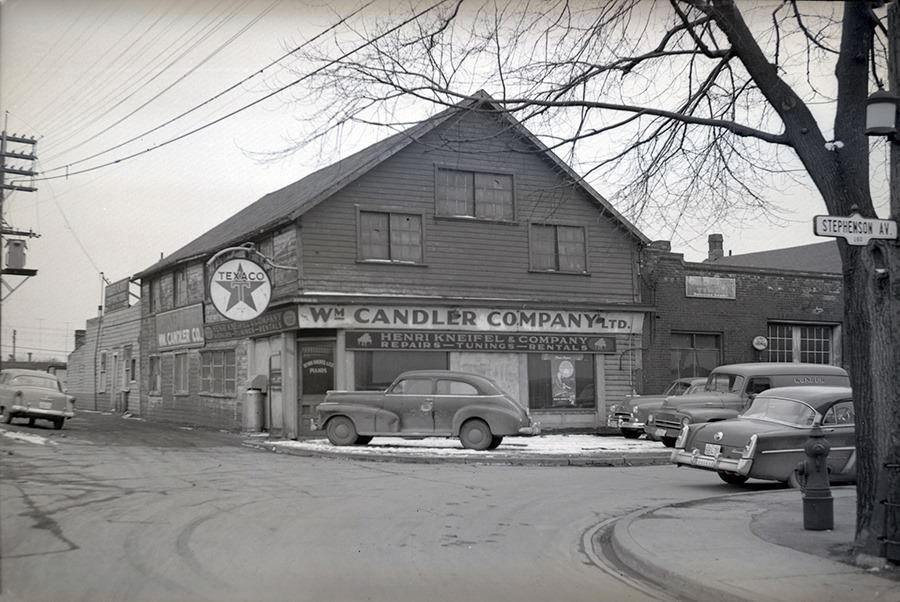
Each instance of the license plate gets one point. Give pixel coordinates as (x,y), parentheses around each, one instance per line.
(703,461)
(45,405)
(660,432)
(712,450)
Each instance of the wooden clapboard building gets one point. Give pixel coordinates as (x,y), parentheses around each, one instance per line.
(460,243)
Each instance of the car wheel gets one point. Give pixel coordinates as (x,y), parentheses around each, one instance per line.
(794,481)
(58,423)
(496,440)
(668,441)
(363,439)
(475,434)
(340,430)
(732,479)
(629,434)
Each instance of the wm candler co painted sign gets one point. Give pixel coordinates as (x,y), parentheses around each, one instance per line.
(371,317)
(180,328)
(429,340)
(709,287)
(240,289)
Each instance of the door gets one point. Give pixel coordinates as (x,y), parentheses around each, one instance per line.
(412,399)
(316,360)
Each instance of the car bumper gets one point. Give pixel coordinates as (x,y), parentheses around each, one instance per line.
(622,423)
(39,412)
(739,466)
(659,432)
(528,431)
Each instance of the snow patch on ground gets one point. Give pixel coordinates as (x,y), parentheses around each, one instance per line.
(25,437)
(544,445)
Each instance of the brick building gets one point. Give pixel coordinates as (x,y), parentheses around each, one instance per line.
(784,305)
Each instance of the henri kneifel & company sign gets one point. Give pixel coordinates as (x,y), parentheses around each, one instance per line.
(370,340)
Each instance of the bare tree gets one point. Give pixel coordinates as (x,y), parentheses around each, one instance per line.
(689,107)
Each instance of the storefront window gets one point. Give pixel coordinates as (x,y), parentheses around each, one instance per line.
(376,370)
(558,381)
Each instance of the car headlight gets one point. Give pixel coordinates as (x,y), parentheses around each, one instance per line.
(685,421)
(649,418)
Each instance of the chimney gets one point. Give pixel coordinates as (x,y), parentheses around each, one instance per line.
(715,247)
(80,337)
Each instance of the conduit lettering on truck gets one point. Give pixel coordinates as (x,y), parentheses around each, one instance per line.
(469,319)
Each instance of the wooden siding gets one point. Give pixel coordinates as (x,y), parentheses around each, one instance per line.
(467,257)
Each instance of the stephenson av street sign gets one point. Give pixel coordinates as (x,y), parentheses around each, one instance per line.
(855,229)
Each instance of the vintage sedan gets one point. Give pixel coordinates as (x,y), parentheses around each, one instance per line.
(426,403)
(33,394)
(767,440)
(630,416)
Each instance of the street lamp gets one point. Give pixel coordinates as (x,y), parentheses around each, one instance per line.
(881,114)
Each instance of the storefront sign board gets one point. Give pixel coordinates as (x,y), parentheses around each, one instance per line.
(708,287)
(429,340)
(180,328)
(269,323)
(469,319)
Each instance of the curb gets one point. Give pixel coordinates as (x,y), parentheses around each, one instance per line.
(477,458)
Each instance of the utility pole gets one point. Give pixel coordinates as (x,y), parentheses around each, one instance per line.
(21,148)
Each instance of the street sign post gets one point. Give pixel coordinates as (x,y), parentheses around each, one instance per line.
(855,229)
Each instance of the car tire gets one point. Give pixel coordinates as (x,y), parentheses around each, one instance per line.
(731,478)
(794,481)
(630,434)
(496,440)
(340,430)
(475,434)
(363,439)
(58,423)
(668,441)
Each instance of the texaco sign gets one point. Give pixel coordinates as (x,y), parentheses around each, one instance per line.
(240,289)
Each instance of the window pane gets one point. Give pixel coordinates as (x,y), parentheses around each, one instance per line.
(815,344)
(543,247)
(413,386)
(455,192)
(229,372)
(455,387)
(571,248)
(560,381)
(376,370)
(406,238)
(374,235)
(693,355)
(781,343)
(494,196)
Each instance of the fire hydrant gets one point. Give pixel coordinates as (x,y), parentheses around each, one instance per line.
(818,505)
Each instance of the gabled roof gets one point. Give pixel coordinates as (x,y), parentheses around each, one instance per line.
(292,201)
(817,257)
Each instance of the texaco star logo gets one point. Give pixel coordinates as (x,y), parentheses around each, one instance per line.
(240,289)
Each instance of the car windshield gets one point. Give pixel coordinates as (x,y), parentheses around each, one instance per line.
(782,411)
(724,383)
(695,389)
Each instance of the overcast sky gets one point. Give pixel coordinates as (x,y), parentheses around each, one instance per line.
(89,76)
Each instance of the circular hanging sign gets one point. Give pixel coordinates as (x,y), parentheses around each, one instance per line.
(240,289)
(760,343)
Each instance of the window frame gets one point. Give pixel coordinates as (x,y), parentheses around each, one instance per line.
(532,248)
(154,378)
(473,202)
(181,383)
(695,351)
(102,372)
(208,378)
(792,347)
(391,213)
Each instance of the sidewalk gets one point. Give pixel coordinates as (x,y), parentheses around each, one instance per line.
(733,548)
(752,547)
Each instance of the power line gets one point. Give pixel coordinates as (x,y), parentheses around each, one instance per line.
(213,98)
(245,107)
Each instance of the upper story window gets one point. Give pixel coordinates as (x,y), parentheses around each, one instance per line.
(481,195)
(557,248)
(179,288)
(390,237)
(154,295)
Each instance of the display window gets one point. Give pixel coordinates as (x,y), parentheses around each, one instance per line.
(560,381)
(376,370)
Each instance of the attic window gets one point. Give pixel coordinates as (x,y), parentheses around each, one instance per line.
(390,237)
(480,195)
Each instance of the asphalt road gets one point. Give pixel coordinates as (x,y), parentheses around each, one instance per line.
(115,509)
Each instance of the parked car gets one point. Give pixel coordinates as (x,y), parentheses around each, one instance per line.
(630,416)
(730,388)
(767,440)
(426,403)
(34,394)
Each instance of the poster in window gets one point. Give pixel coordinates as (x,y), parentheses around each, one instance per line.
(563,370)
